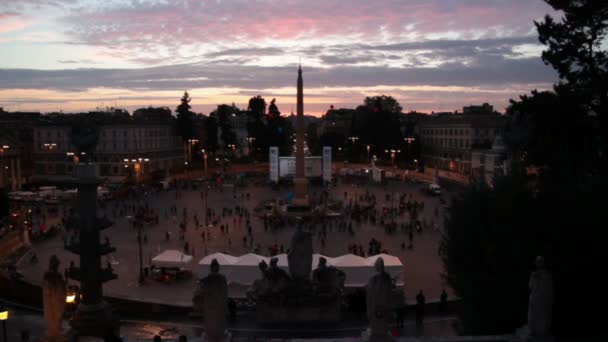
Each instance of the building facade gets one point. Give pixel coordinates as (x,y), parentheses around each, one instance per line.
(127,147)
(448,140)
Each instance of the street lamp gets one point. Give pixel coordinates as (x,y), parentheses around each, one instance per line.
(393,152)
(250,140)
(49,146)
(409,141)
(205,161)
(141,262)
(191,142)
(4,318)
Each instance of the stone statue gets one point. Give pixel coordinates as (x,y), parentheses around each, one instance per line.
(53,294)
(259,286)
(214,291)
(379,303)
(327,280)
(300,255)
(273,110)
(540,306)
(84,136)
(277,278)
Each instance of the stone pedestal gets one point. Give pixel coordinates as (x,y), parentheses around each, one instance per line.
(523,335)
(94,320)
(368,336)
(226,338)
(301,192)
(297,311)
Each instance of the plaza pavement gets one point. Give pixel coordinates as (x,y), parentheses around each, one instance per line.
(422,265)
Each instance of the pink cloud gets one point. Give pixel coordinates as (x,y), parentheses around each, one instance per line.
(145,27)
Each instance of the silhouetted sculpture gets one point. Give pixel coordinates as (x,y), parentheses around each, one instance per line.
(283,298)
(540,306)
(379,304)
(53,294)
(259,285)
(300,255)
(214,291)
(277,278)
(273,110)
(327,280)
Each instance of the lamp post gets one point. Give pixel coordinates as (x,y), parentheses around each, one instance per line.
(191,142)
(3,148)
(205,161)
(353,140)
(4,318)
(250,140)
(393,153)
(138,166)
(49,146)
(409,141)
(368,148)
(140,279)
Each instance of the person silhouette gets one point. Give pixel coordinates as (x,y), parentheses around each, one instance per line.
(420,302)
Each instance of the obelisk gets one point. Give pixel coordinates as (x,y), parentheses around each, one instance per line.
(300,182)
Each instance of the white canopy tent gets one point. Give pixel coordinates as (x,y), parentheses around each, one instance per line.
(224,260)
(355,268)
(392,265)
(244,270)
(172,259)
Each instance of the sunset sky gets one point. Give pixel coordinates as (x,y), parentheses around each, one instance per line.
(431,55)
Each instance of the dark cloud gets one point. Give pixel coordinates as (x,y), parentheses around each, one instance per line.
(484,72)
(447,44)
(77,61)
(344,59)
(268,51)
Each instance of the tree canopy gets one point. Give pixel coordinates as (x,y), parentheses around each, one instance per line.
(185,118)
(257,106)
(494,233)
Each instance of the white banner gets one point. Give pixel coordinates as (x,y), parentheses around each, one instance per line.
(327,163)
(273,161)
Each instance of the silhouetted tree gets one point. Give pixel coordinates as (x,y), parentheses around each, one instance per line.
(211,132)
(224,114)
(257,106)
(185,118)
(383,103)
(557,214)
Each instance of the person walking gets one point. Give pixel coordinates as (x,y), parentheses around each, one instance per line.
(420,302)
(443,302)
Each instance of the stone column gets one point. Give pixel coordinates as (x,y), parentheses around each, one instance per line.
(300,181)
(94,316)
(18,174)
(53,294)
(13,176)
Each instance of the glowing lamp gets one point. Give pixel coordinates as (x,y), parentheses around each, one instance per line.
(70,298)
(3,314)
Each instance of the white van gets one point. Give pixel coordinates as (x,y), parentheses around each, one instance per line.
(434,189)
